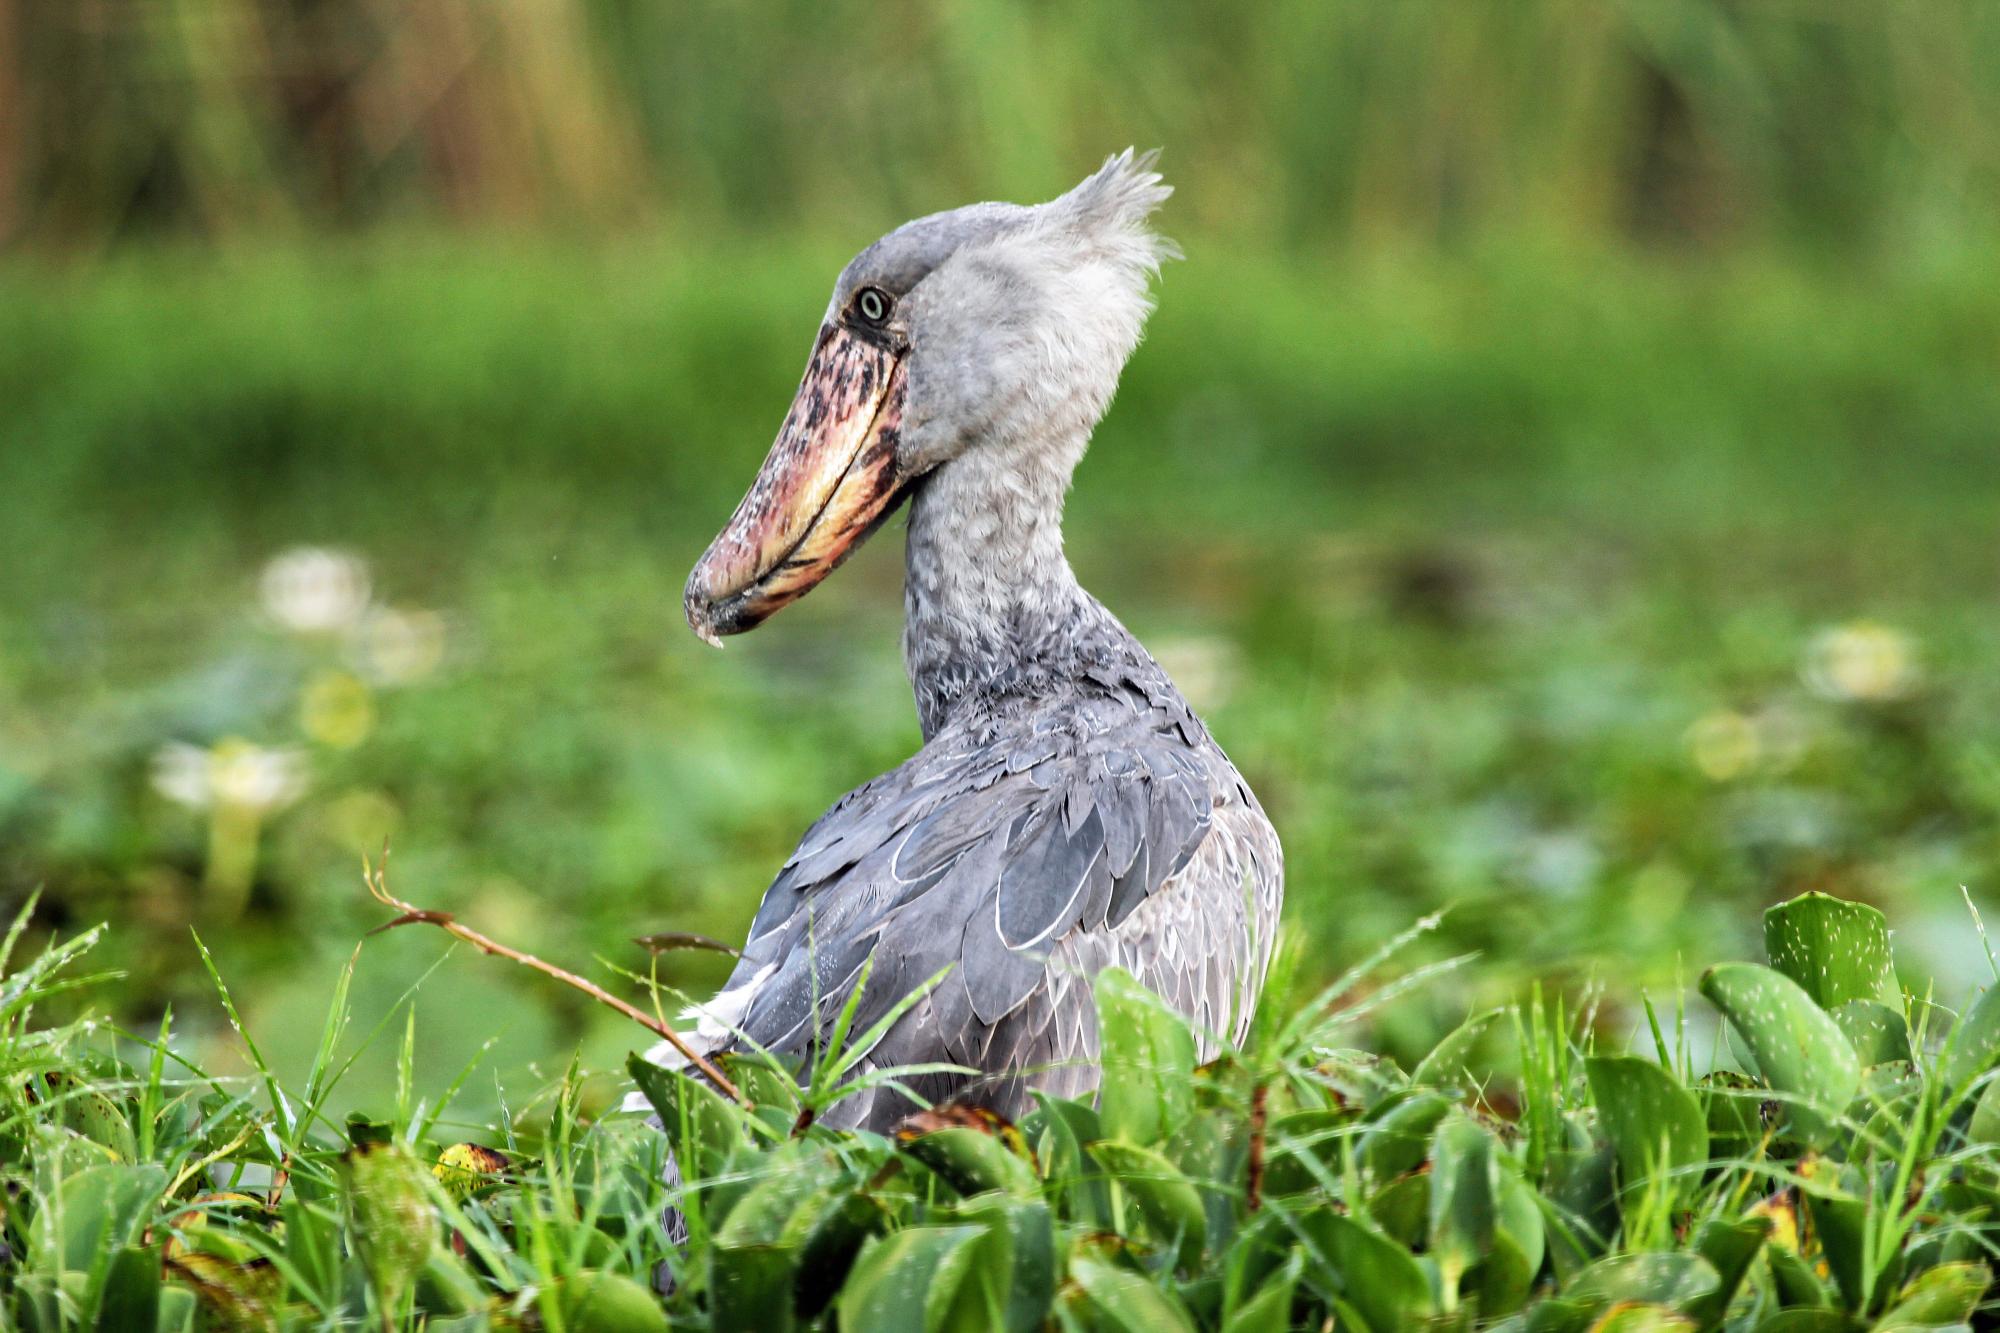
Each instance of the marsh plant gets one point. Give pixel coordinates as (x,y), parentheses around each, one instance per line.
(1831,1163)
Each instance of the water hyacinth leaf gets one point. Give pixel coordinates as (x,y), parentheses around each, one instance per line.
(1947,1294)
(1878,1033)
(973,1151)
(130,1296)
(698,1120)
(1398,1137)
(1382,1281)
(1653,1122)
(1974,1044)
(1520,1219)
(1302,1150)
(751,1286)
(902,1279)
(605,1302)
(1642,1319)
(1120,1299)
(1402,1209)
(177,1310)
(1059,1129)
(1730,1247)
(1465,1191)
(1499,1283)
(1445,1065)
(830,1241)
(93,1212)
(1172,1206)
(1271,1306)
(1810,1321)
(1801,1051)
(1984,1126)
(1675,1280)
(1019,1254)
(782,1200)
(1834,949)
(1794,1279)
(1148,1054)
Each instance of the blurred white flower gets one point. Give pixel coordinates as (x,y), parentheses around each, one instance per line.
(234,774)
(396,647)
(180,773)
(1863,662)
(315,590)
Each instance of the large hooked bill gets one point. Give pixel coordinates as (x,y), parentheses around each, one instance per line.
(829,479)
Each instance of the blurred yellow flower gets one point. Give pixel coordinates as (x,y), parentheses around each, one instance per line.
(1725,744)
(314,590)
(337,709)
(1863,662)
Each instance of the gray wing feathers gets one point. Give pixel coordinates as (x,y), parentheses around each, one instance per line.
(1026,859)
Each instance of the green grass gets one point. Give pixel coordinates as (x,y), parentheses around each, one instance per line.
(1832,1161)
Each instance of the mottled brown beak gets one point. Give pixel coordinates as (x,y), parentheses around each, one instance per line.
(830,478)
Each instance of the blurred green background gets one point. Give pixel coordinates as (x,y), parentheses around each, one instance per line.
(1564,469)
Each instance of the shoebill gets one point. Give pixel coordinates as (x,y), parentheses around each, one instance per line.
(1067,811)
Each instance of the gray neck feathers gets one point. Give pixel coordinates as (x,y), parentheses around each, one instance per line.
(991,608)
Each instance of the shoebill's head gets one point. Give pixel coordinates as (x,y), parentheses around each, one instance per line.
(996,328)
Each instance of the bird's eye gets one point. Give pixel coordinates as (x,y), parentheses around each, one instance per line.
(872,304)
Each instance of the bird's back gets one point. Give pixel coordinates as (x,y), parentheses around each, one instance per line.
(1033,841)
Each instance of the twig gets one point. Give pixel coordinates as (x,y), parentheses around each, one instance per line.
(377,879)
(1253,1191)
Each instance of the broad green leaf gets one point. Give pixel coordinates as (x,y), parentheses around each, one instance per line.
(603,1302)
(972,1160)
(1974,1044)
(1730,1247)
(1121,1299)
(904,1278)
(1148,1056)
(1271,1307)
(1675,1280)
(1878,1033)
(1169,1200)
(1642,1319)
(1947,1294)
(1465,1190)
(1801,1051)
(1379,1278)
(1402,1209)
(1807,1320)
(1520,1218)
(1834,949)
(1018,1256)
(93,1212)
(1399,1135)
(751,1286)
(1654,1123)
(1446,1063)
(1499,1283)
(714,1126)
(130,1296)
(827,1248)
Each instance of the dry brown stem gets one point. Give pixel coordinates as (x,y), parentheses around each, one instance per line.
(376,877)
